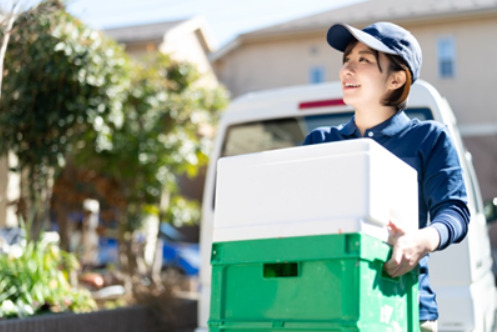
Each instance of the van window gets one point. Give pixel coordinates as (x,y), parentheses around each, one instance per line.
(271,134)
(274,134)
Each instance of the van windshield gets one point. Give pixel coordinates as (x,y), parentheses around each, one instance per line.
(271,134)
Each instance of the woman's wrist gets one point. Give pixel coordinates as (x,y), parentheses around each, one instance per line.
(431,238)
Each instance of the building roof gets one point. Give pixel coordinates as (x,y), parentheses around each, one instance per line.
(156,32)
(395,10)
(141,33)
(370,11)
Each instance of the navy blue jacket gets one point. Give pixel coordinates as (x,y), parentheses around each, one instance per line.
(427,147)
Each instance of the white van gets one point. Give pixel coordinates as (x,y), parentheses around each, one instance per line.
(461,275)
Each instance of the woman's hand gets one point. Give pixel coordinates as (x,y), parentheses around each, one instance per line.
(409,248)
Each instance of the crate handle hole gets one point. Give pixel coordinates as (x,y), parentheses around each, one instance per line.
(386,276)
(281,270)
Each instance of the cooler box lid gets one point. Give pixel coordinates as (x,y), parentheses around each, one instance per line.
(339,187)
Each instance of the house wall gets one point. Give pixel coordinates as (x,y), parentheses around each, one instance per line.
(187,47)
(471,92)
(264,64)
(138,50)
(184,41)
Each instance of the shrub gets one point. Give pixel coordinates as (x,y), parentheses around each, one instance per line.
(37,281)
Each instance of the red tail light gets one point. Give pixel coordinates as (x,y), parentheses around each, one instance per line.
(321,103)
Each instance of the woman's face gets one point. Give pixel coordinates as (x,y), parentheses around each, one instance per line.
(363,84)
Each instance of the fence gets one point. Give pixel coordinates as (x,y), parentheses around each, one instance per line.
(130,319)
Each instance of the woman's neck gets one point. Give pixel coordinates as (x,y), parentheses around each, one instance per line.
(367,119)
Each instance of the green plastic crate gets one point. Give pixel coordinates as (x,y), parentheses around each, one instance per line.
(313,283)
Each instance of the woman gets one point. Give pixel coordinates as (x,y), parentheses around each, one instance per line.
(380,63)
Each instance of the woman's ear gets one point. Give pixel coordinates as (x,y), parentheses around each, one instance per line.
(397,79)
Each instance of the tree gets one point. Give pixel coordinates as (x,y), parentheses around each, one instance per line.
(76,110)
(160,139)
(62,80)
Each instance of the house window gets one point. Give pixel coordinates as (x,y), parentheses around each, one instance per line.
(446,48)
(316,74)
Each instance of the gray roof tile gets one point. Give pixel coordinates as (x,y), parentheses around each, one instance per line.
(376,10)
(145,32)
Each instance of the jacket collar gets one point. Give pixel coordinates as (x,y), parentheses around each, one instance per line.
(389,127)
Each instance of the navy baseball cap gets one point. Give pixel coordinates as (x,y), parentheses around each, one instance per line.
(385,37)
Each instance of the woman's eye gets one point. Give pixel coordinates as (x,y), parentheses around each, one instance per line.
(362,59)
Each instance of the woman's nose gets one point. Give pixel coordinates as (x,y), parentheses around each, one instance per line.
(347,68)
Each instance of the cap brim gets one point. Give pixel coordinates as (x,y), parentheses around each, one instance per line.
(340,35)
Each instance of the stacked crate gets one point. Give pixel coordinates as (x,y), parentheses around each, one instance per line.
(299,240)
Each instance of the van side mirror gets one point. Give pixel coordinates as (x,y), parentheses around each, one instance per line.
(490,208)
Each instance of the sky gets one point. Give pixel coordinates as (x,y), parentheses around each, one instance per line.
(225,18)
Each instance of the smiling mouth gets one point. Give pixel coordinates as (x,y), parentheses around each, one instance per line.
(351,85)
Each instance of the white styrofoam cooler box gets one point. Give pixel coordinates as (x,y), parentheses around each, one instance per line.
(340,187)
